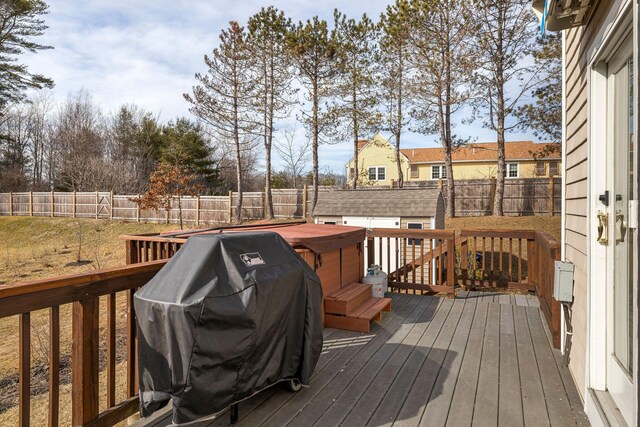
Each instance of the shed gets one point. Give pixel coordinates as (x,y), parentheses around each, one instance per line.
(416,208)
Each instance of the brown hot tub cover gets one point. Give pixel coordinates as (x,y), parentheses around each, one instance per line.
(229,315)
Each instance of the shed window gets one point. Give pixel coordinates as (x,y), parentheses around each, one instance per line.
(540,169)
(512,170)
(414,226)
(414,171)
(330,222)
(553,168)
(377,173)
(438,172)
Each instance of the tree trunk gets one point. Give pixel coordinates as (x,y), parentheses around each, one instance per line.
(314,199)
(499,195)
(448,154)
(269,105)
(354,118)
(399,119)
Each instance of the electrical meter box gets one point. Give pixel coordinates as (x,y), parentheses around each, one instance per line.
(563,281)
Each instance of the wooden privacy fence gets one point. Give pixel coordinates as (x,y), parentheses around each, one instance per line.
(522,196)
(287,203)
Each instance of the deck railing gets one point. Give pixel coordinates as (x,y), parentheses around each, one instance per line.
(418,261)
(83,292)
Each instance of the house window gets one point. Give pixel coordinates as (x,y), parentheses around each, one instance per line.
(512,170)
(414,171)
(351,172)
(438,172)
(540,169)
(377,173)
(553,169)
(414,226)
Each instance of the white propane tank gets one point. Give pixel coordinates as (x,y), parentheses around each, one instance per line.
(377,279)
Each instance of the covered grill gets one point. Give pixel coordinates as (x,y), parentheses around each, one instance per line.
(229,315)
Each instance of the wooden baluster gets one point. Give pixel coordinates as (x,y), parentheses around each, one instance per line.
(388,240)
(371,251)
(510,260)
(492,274)
(519,260)
(379,259)
(422,263)
(484,258)
(131,346)
(85,369)
(500,259)
(24,413)
(413,262)
(464,261)
(111,350)
(54,366)
(404,261)
(475,260)
(451,264)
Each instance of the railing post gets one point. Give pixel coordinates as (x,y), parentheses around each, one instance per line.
(10,203)
(451,263)
(84,361)
(111,205)
(24,412)
(371,252)
(532,263)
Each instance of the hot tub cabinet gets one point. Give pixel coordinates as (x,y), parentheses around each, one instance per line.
(336,253)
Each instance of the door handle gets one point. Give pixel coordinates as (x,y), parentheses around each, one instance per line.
(621,227)
(603,228)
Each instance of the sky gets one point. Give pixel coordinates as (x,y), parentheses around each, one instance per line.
(147,52)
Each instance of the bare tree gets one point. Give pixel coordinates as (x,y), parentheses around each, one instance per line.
(40,109)
(225,97)
(294,155)
(506,37)
(444,59)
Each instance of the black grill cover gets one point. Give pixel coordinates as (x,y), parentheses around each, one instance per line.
(229,315)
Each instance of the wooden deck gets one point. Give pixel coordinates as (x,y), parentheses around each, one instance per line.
(481,359)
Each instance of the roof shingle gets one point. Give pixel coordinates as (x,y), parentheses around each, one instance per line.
(514,150)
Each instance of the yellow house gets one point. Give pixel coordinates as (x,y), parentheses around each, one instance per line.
(525,159)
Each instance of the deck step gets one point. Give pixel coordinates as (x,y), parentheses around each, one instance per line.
(353,308)
(345,301)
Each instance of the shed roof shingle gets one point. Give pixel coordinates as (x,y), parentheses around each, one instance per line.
(423,202)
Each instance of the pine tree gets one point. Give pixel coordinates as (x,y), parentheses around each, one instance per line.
(275,94)
(544,116)
(20,22)
(225,97)
(313,51)
(444,58)
(355,86)
(394,44)
(507,31)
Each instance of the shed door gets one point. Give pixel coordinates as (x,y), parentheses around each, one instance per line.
(389,255)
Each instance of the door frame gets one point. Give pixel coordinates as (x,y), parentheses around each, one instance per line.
(615,29)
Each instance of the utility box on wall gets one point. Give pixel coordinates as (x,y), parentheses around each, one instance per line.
(563,281)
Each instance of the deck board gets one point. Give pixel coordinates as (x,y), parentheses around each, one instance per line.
(481,359)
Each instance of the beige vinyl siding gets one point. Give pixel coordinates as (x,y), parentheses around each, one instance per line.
(425,221)
(576,181)
(576,191)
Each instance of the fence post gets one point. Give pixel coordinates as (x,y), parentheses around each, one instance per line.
(10,203)
(111,204)
(74,203)
(492,194)
(97,203)
(53,206)
(304,202)
(138,209)
(551,184)
(30,203)
(84,361)
(197,210)
(230,206)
